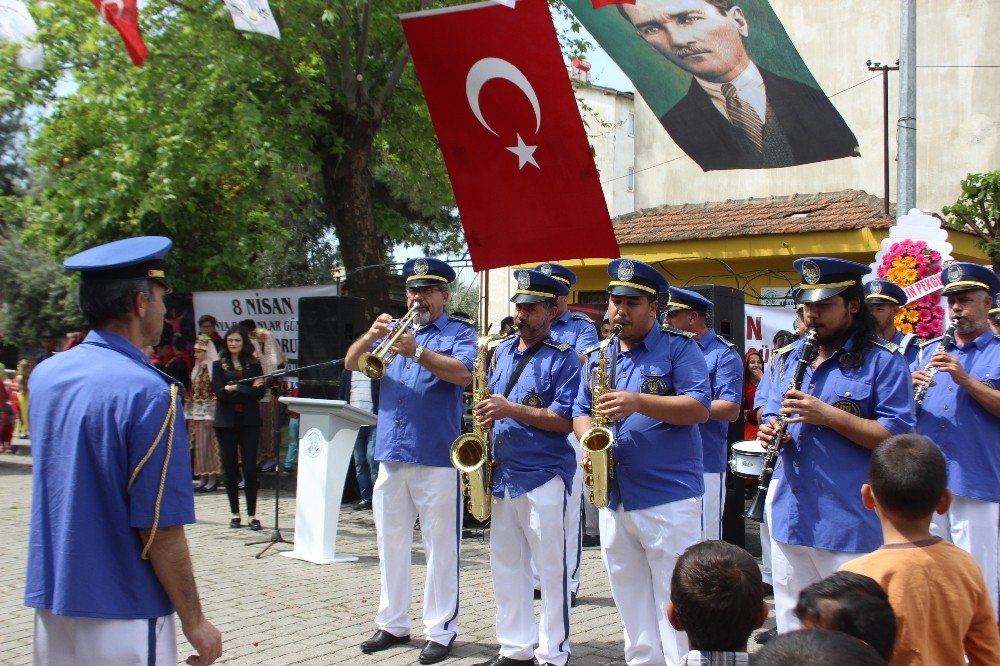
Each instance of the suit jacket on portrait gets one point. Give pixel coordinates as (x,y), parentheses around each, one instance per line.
(245,394)
(801,126)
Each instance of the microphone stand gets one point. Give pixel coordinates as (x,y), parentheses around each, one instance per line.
(278,463)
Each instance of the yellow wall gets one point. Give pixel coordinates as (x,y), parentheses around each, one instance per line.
(757,261)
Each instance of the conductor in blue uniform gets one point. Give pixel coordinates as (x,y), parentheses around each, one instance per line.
(108,562)
(659,394)
(856,393)
(532,386)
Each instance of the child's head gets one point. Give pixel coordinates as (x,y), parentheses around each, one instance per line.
(908,478)
(816,647)
(853,604)
(716,596)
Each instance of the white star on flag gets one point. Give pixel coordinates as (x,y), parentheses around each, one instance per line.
(525,154)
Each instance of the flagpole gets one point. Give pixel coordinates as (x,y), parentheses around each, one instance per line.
(906,174)
(485,324)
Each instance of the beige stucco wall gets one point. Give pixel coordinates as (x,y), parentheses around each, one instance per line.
(605,116)
(958,109)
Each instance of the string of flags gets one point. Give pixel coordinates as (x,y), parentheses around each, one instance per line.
(18,27)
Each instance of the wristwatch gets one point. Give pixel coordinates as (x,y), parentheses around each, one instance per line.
(417,353)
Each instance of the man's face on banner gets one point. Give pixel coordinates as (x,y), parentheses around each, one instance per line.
(695,35)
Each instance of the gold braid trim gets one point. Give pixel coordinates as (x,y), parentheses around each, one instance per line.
(168,425)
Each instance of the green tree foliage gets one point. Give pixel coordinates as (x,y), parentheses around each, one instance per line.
(240,147)
(977,211)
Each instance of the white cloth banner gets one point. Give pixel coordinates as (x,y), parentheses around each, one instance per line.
(17,27)
(253,16)
(762,322)
(277,310)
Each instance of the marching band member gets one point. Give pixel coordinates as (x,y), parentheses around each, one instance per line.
(657,396)
(420,415)
(995,314)
(579,332)
(532,387)
(961,414)
(855,394)
(687,311)
(884,299)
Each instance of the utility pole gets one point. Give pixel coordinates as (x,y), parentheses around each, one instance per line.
(906,172)
(885,69)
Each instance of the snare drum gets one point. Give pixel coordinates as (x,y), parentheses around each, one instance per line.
(747,459)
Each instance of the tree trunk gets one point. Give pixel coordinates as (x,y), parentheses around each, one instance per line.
(350,212)
(995,260)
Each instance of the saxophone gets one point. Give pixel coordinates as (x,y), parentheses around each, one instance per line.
(598,440)
(470,453)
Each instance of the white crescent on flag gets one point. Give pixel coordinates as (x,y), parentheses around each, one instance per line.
(488,69)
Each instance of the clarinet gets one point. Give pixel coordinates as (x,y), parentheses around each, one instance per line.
(756,510)
(921,391)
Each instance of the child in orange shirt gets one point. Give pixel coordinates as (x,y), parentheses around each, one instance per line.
(943,611)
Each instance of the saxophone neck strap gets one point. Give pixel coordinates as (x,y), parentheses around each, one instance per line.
(522,364)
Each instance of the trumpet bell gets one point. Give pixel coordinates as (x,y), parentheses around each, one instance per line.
(372,365)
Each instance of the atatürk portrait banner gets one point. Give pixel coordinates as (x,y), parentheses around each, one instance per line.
(725,80)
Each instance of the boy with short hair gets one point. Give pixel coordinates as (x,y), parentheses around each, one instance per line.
(943,609)
(717,597)
(851,604)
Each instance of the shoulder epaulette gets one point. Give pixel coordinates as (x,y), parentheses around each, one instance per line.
(884,344)
(677,331)
(784,350)
(727,342)
(582,317)
(561,346)
(463,320)
(590,350)
(932,341)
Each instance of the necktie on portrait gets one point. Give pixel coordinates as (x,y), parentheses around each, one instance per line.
(743,116)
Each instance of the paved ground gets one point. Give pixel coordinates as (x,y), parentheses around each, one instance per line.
(276,610)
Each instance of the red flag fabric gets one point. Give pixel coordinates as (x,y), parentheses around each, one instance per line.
(123,15)
(513,142)
(602,3)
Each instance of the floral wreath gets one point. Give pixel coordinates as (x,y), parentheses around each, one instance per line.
(906,263)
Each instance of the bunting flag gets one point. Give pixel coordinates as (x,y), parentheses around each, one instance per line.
(513,142)
(17,27)
(123,16)
(253,16)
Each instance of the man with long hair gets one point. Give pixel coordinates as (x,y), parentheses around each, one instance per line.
(855,393)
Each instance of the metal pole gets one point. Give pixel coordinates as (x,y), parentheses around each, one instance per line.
(906,173)
(885,69)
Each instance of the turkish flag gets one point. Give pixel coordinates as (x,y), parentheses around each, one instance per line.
(602,3)
(123,15)
(506,117)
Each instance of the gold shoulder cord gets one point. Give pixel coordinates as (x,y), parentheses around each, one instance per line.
(168,425)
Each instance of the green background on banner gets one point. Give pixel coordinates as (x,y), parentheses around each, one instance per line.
(661,83)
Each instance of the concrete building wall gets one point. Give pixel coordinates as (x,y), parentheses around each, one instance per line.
(958,105)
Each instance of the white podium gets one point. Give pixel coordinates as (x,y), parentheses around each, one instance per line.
(327,432)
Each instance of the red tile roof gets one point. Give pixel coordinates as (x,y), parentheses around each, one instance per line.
(798,213)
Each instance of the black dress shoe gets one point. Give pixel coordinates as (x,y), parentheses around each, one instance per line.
(362,505)
(765,636)
(500,660)
(434,652)
(383,640)
(234,523)
(255,525)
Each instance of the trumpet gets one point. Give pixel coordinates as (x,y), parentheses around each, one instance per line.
(599,439)
(921,391)
(374,363)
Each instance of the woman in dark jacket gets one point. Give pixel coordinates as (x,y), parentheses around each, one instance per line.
(237,420)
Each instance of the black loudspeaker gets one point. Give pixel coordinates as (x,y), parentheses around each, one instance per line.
(327,327)
(728,319)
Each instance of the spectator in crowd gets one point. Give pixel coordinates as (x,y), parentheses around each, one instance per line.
(292,456)
(507,325)
(237,420)
(75,338)
(163,352)
(852,604)
(817,647)
(181,362)
(358,390)
(47,342)
(268,352)
(753,370)
(6,421)
(936,588)
(605,330)
(716,596)
(208,325)
(24,368)
(200,412)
